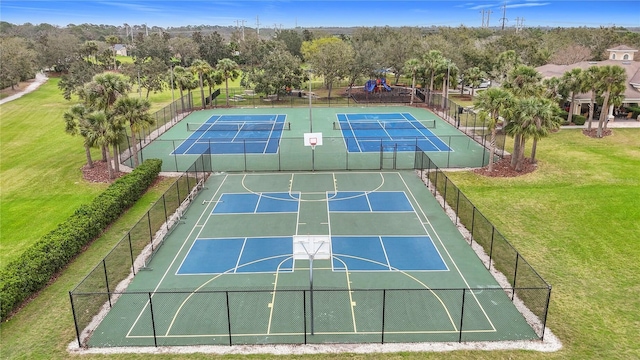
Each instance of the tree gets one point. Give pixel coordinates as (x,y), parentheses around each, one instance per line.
(153,46)
(493,104)
(506,62)
(281,70)
(329,57)
(590,84)
(572,82)
(212,48)
(474,76)
(76,123)
(412,66)
(531,117)
(433,62)
(57,49)
(102,135)
(183,49)
(184,80)
(612,79)
(150,73)
(571,54)
(134,112)
(199,68)
(398,46)
(523,81)
(17,60)
(228,69)
(112,40)
(292,40)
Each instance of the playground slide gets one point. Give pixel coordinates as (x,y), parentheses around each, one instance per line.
(370,85)
(386,87)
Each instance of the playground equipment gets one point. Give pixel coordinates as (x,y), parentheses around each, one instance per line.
(377,85)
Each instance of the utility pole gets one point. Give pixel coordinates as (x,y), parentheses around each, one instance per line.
(504,14)
(258,25)
(482,12)
(488,14)
(519,23)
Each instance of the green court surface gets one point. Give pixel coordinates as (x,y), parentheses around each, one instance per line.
(388,266)
(292,155)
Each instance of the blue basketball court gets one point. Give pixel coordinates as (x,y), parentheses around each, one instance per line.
(387,132)
(234,134)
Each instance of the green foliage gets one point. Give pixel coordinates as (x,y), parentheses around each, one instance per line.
(30,272)
(578,119)
(635,110)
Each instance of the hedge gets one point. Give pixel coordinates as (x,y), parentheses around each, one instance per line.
(30,272)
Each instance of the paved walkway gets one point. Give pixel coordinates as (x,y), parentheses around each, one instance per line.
(40,79)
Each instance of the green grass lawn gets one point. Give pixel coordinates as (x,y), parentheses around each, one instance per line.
(576,220)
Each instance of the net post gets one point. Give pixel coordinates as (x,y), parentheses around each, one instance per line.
(461,315)
(229,318)
(384,300)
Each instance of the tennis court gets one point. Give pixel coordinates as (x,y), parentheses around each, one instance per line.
(271,139)
(324,257)
(389,131)
(234,134)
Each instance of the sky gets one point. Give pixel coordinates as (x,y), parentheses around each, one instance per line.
(328,13)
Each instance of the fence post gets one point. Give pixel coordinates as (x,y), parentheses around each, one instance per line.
(228,317)
(75,319)
(457,206)
(153,322)
(166,217)
(473,222)
(106,280)
(175,155)
(384,300)
(444,196)
(304,314)
(493,231)
(462,314)
(150,231)
(546,312)
(515,274)
(133,265)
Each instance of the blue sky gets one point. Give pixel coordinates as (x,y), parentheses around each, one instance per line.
(307,13)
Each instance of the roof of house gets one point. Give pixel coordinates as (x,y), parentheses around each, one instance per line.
(632,68)
(622,48)
(117,47)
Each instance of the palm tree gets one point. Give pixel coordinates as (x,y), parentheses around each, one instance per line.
(492,104)
(229,70)
(505,63)
(107,88)
(412,66)
(75,124)
(523,81)
(612,78)
(135,113)
(200,67)
(590,83)
(100,134)
(112,40)
(532,117)
(572,81)
(432,62)
(184,81)
(474,76)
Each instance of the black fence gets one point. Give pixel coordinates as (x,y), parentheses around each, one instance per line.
(386,322)
(146,236)
(500,254)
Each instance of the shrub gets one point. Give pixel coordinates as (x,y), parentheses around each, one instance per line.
(30,272)
(578,119)
(635,110)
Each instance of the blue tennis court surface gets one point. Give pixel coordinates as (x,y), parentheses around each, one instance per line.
(252,203)
(234,134)
(359,201)
(387,132)
(275,254)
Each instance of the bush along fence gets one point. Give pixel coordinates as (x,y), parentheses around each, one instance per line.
(32,270)
(523,283)
(134,251)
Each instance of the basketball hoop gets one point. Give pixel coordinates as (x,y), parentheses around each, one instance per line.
(313,142)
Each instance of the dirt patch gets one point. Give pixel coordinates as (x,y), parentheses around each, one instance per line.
(502,168)
(594,132)
(98,173)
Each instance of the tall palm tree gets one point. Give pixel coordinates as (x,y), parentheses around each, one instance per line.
(523,81)
(572,81)
(432,62)
(100,134)
(590,84)
(76,124)
(184,80)
(200,67)
(546,118)
(134,112)
(229,70)
(612,78)
(492,104)
(107,88)
(412,66)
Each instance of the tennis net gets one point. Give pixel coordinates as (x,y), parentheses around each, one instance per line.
(381,125)
(239,126)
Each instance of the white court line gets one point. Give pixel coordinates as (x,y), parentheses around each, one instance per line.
(272,304)
(244,243)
